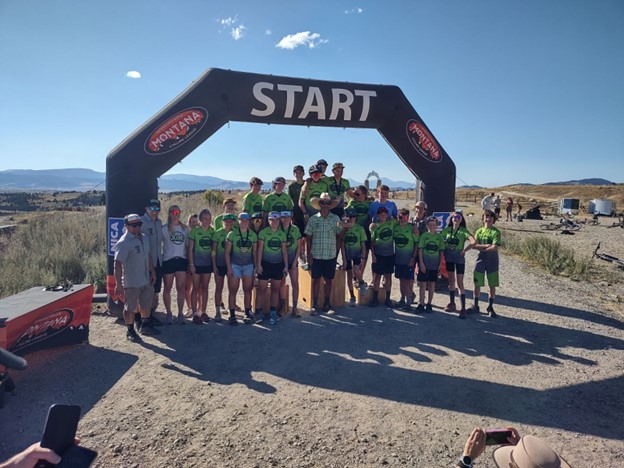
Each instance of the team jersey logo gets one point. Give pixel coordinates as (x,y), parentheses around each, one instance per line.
(401,240)
(274,243)
(350,239)
(177,238)
(431,248)
(423,141)
(205,243)
(385,234)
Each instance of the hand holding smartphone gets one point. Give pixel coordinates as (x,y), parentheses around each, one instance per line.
(59,434)
(498,436)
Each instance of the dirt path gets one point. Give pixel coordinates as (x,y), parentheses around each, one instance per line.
(366,387)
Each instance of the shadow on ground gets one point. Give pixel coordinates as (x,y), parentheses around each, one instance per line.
(364,351)
(60,376)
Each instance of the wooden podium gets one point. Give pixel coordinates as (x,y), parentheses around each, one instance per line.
(364,299)
(337,298)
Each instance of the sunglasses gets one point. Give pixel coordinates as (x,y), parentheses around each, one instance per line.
(154,208)
(457,217)
(325,203)
(357,194)
(257,220)
(175,212)
(135,225)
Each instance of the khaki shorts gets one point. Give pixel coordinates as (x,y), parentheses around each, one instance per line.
(142,296)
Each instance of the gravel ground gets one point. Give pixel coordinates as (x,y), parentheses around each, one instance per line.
(365,387)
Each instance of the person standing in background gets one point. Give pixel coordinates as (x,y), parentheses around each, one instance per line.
(175,261)
(338,187)
(135,275)
(229,207)
(497,206)
(294,190)
(488,239)
(191,222)
(509,209)
(200,265)
(252,200)
(152,229)
(218,260)
(487,203)
(382,200)
(455,235)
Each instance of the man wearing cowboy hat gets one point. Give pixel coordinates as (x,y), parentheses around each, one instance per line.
(323,232)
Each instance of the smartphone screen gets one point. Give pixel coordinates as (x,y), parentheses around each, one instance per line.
(60,429)
(497,436)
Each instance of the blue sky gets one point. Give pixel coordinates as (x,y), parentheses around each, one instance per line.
(526,91)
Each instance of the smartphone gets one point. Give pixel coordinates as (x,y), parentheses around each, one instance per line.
(497,436)
(77,456)
(60,430)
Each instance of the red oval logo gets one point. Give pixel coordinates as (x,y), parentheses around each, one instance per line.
(423,142)
(44,327)
(176,131)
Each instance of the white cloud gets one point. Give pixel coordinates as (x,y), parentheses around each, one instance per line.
(268,32)
(238,32)
(133,74)
(354,11)
(305,38)
(227,22)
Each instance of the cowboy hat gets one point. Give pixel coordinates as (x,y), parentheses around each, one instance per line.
(325,199)
(531,452)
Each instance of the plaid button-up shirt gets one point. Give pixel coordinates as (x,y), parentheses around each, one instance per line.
(323,232)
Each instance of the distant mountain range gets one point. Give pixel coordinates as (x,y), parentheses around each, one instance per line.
(594,181)
(83,180)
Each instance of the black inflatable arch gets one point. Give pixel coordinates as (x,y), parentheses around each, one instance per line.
(219,96)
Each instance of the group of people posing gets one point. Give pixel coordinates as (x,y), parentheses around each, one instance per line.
(320,223)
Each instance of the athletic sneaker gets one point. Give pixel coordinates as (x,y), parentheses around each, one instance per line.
(273,318)
(316,310)
(388,303)
(233,320)
(169,319)
(218,317)
(132,336)
(197,320)
(189,313)
(329,309)
(374,301)
(474,310)
(490,310)
(429,308)
(326,307)
(352,302)
(420,308)
(205,317)
(181,320)
(462,313)
(258,316)
(450,307)
(249,318)
(295,313)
